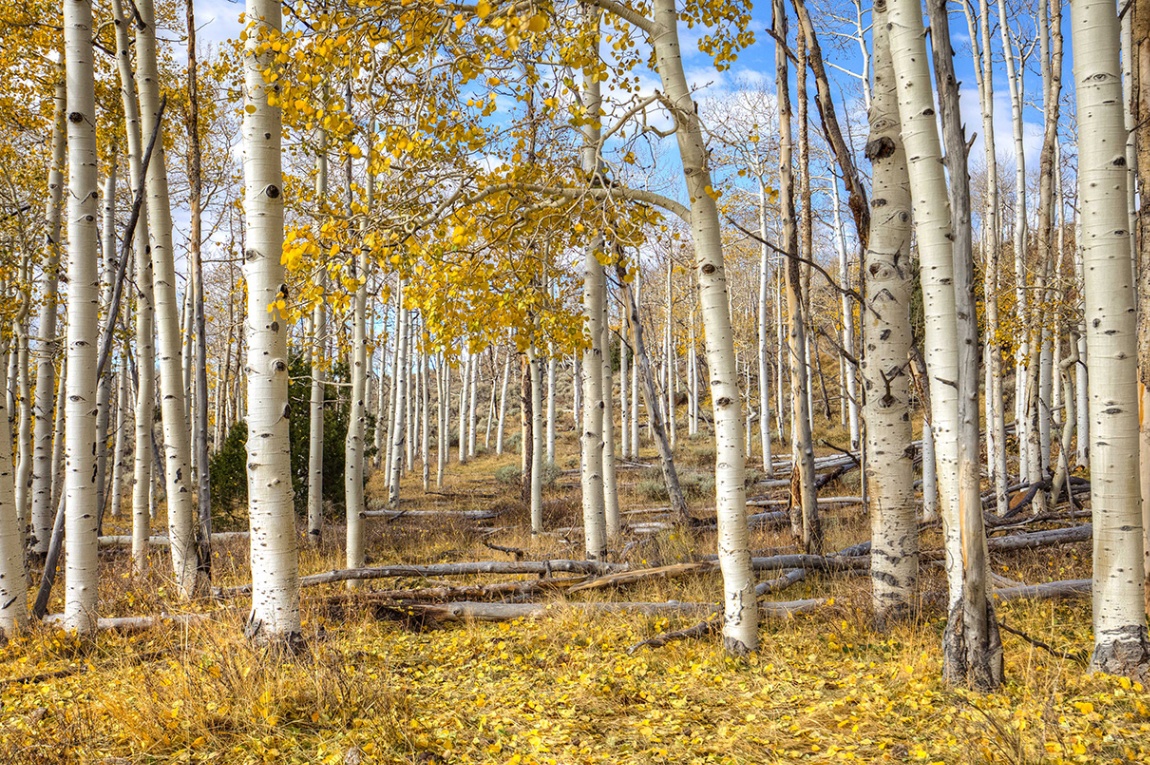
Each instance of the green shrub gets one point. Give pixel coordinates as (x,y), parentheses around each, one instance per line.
(509,474)
(228,476)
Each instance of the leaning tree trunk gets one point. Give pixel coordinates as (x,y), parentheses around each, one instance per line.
(804,501)
(740,615)
(972,647)
(182,529)
(643,368)
(887,329)
(44,351)
(80,599)
(275,613)
(1120,640)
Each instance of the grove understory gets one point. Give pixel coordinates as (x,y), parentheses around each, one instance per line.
(389,674)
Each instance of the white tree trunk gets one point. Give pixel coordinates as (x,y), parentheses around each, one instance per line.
(275,613)
(81,574)
(1120,640)
(104,384)
(357,418)
(13,593)
(399,396)
(119,450)
(464,400)
(887,329)
(537,438)
(550,402)
(763,327)
(502,404)
(44,351)
(624,402)
(318,337)
(933,234)
(610,481)
(473,406)
(144,329)
(177,442)
(740,615)
(848,333)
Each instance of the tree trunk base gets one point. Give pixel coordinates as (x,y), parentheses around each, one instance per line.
(974,664)
(1127,655)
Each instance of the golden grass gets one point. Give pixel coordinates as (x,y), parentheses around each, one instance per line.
(372,688)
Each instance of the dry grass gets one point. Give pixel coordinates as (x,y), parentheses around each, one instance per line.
(823,688)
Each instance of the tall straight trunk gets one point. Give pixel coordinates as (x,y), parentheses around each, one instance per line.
(464,400)
(104,384)
(1120,640)
(537,438)
(58,436)
(443,406)
(199,319)
(425,411)
(933,233)
(1140,31)
(144,329)
(80,599)
(624,402)
(887,328)
(550,403)
(847,338)
(610,481)
(357,418)
(740,612)
(804,502)
(275,615)
(635,291)
(13,593)
(317,339)
(399,396)
(1014,75)
(24,404)
(991,244)
(182,528)
(473,406)
(972,646)
(576,391)
(381,409)
(119,450)
(763,339)
(503,404)
(693,388)
(594,299)
(670,362)
(44,351)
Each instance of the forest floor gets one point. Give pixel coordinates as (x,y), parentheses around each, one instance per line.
(374,686)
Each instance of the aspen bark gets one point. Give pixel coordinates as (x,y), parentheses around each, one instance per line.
(399,395)
(537,438)
(275,615)
(1120,639)
(357,418)
(972,647)
(886,354)
(13,592)
(740,615)
(104,384)
(80,599)
(610,482)
(804,502)
(177,445)
(44,351)
(317,340)
(144,329)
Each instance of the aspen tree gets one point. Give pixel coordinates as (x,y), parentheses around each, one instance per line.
(550,404)
(104,384)
(182,529)
(594,288)
(13,593)
(886,325)
(80,596)
(144,329)
(972,647)
(398,430)
(275,613)
(357,418)
(1140,32)
(503,404)
(44,350)
(318,332)
(740,613)
(610,482)
(804,502)
(1120,640)
(119,450)
(762,327)
(537,437)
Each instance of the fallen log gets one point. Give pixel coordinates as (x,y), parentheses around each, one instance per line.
(544,567)
(502,612)
(644,574)
(475,515)
(1068,588)
(122,540)
(1035,539)
(465,592)
(780,583)
(138,623)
